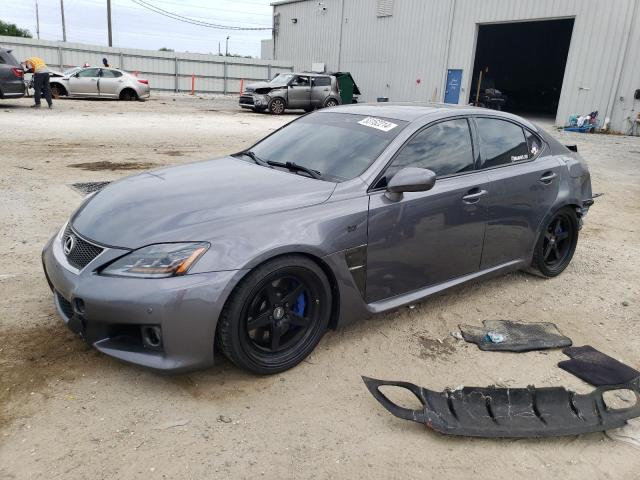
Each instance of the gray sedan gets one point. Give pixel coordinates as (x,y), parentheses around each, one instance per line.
(100,82)
(341,214)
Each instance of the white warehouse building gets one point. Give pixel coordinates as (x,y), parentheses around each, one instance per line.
(548,57)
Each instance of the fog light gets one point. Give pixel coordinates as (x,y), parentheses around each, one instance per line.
(151,336)
(78,305)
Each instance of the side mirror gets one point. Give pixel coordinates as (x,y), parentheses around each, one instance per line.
(410,179)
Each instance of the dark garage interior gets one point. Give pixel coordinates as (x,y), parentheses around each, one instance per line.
(525,61)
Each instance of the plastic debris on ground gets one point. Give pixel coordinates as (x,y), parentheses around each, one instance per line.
(596,368)
(511,412)
(506,335)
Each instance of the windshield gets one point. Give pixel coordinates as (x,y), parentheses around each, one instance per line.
(281,79)
(71,71)
(339,146)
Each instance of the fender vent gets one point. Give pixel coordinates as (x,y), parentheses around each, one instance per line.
(356,259)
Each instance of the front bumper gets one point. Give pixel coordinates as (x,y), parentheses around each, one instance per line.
(109,311)
(251,100)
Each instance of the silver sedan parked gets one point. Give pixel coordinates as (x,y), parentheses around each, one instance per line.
(101,82)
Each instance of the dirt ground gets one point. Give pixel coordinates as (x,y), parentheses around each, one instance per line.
(68,412)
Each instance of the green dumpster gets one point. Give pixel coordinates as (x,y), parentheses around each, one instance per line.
(347,86)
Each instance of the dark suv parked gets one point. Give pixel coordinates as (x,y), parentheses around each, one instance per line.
(11,76)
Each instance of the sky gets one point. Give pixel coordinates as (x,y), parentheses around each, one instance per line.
(135,27)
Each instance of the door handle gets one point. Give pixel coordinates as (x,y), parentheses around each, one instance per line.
(547,178)
(474,197)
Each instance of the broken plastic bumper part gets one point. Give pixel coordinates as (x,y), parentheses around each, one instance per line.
(511,412)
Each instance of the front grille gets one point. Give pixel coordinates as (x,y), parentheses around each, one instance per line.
(246,99)
(65,306)
(81,252)
(89,187)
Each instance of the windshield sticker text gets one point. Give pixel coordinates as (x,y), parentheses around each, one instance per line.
(519,157)
(378,123)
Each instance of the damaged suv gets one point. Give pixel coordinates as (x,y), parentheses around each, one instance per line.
(306,91)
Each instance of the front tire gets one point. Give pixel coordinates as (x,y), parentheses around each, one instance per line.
(57,90)
(277,106)
(557,243)
(276,316)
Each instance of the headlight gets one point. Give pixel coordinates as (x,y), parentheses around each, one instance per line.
(157,261)
(260,99)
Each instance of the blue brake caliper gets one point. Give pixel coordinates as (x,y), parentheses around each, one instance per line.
(299,306)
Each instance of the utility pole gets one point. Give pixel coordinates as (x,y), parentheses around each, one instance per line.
(219,51)
(109,22)
(64,30)
(37,21)
(227,47)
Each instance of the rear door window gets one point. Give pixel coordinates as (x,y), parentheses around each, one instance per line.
(534,144)
(110,73)
(501,142)
(89,72)
(321,81)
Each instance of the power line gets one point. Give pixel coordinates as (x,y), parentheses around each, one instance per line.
(192,21)
(216,8)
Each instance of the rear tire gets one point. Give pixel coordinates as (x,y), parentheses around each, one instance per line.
(276,316)
(332,102)
(556,244)
(128,95)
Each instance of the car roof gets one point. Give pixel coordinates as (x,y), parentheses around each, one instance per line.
(410,112)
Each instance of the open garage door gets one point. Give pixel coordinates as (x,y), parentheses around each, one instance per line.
(525,62)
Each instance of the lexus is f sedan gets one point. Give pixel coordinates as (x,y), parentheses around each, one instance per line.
(342,213)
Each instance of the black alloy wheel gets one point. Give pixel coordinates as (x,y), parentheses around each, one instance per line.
(557,243)
(277,315)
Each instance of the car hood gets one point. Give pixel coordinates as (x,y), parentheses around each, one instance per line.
(190,202)
(263,87)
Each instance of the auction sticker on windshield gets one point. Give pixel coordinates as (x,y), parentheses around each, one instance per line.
(378,124)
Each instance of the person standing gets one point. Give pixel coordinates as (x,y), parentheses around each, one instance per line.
(40,80)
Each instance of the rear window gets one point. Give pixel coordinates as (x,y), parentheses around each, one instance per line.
(7,57)
(501,142)
(338,145)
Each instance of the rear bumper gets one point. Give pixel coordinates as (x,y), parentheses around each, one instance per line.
(144,92)
(12,89)
(108,312)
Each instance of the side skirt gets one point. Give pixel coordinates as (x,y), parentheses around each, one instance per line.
(417,295)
